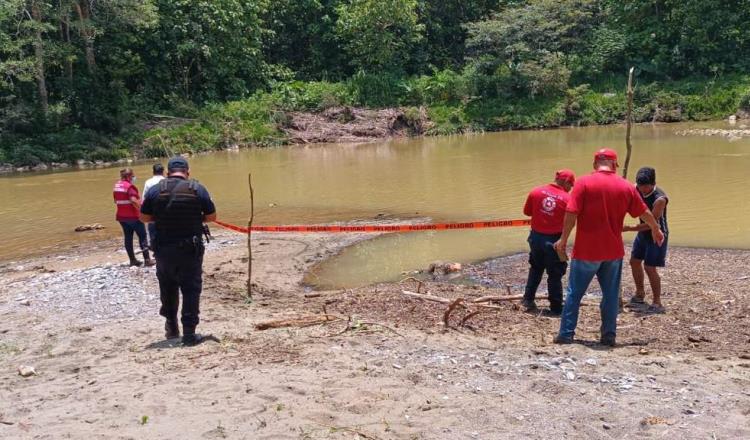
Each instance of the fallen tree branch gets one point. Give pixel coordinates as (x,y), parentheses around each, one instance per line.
(419,283)
(470,315)
(305,321)
(498,298)
(457,302)
(426,297)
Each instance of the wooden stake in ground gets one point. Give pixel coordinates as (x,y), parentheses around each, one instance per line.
(629,121)
(249,239)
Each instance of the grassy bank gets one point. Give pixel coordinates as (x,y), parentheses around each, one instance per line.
(455,103)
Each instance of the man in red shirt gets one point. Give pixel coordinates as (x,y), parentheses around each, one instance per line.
(597,209)
(546,206)
(128,202)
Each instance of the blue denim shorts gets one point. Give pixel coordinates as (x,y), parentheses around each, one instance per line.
(649,252)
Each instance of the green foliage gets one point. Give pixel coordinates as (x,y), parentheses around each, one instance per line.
(376,90)
(679,38)
(207,49)
(447,120)
(522,50)
(379,34)
(315,95)
(78,79)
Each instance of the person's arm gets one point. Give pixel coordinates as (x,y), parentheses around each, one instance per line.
(527,206)
(135,198)
(658,212)
(147,211)
(135,202)
(656,233)
(568,224)
(207,205)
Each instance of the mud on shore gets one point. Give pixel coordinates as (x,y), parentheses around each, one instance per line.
(384,366)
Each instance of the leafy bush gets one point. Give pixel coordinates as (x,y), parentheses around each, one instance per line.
(376,90)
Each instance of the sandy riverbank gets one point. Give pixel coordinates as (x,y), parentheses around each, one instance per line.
(91,330)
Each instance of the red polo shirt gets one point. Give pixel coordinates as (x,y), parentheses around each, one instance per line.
(546,207)
(601,200)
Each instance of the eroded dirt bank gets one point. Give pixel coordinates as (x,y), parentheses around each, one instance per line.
(387,369)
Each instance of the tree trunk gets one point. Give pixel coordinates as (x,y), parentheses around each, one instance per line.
(41,81)
(87,32)
(65,36)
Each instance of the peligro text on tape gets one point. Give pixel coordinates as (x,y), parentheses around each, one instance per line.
(380,228)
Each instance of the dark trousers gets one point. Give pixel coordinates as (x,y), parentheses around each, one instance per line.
(543,257)
(179,268)
(152,235)
(129,227)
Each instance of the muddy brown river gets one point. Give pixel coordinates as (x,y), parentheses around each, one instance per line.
(458,178)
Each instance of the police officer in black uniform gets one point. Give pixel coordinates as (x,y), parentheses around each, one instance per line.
(179,206)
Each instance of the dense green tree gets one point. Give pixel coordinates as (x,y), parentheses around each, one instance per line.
(677,38)
(302,37)
(206,50)
(379,34)
(445,32)
(526,47)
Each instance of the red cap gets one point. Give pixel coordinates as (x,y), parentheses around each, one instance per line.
(606,154)
(566,175)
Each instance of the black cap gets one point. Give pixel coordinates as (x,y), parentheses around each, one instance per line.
(177,162)
(646,176)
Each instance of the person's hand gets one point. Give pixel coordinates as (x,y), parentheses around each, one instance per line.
(560,246)
(658,236)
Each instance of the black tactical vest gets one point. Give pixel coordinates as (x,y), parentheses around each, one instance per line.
(177,210)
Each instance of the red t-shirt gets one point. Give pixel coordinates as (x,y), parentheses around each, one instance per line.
(601,200)
(546,207)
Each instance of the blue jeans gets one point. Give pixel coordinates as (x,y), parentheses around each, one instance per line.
(609,274)
(130,227)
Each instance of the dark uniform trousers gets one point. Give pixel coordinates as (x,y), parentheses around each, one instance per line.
(179,267)
(542,256)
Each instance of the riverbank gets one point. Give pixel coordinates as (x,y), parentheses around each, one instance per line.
(383,367)
(366,109)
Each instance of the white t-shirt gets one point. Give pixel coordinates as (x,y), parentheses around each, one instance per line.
(151,182)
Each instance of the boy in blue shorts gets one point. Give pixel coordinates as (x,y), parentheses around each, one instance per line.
(644,248)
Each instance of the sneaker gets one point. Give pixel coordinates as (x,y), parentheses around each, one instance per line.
(608,340)
(136,263)
(550,313)
(149,262)
(562,340)
(529,306)
(171,330)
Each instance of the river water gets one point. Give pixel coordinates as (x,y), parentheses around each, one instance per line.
(457,178)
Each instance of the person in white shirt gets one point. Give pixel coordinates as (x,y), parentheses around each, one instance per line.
(156,178)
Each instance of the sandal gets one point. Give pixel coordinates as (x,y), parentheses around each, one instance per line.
(637,301)
(656,309)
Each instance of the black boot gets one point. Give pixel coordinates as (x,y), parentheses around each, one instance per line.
(190,338)
(171,329)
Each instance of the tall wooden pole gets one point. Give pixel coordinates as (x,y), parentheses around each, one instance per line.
(629,121)
(249,239)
